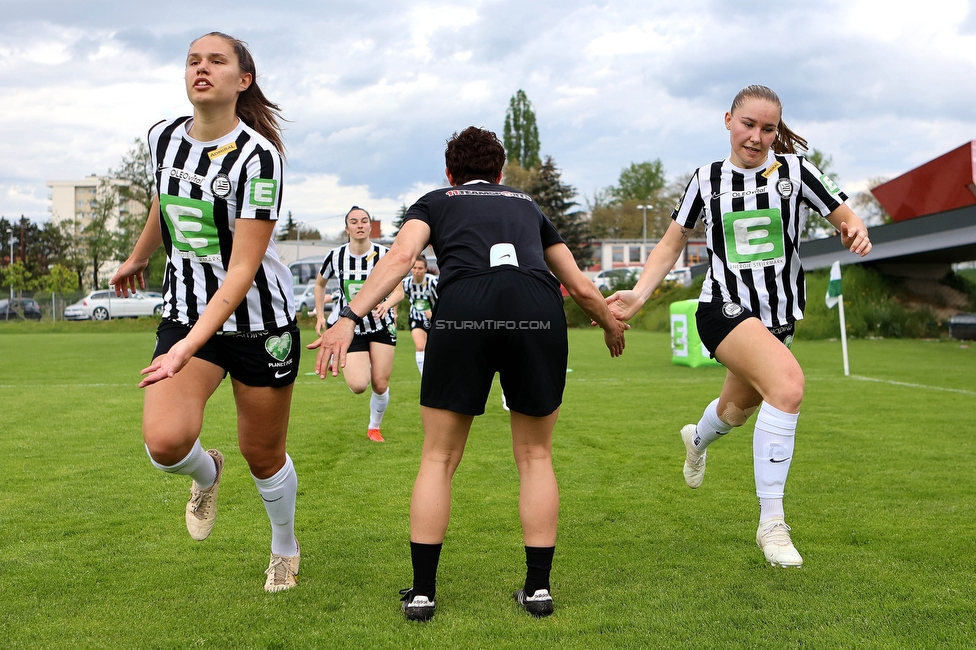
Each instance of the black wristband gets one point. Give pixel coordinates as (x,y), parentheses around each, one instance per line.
(347,312)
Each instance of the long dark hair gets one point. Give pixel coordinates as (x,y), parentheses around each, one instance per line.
(786,140)
(253,108)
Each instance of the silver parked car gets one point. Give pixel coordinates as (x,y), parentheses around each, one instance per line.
(305,297)
(104,304)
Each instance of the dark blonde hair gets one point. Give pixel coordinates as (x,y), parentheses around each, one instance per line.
(786,140)
(253,108)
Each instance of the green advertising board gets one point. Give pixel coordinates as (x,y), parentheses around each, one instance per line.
(686,345)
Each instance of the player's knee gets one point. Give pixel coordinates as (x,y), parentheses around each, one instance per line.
(735,416)
(358,389)
(789,393)
(167,453)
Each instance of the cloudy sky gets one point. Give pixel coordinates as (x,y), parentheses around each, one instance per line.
(373,88)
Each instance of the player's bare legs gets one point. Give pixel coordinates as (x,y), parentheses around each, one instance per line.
(445,434)
(538,491)
(262,427)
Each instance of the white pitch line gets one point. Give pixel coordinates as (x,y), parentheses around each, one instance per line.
(910,385)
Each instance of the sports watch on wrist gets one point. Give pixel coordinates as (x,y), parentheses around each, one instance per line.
(347,312)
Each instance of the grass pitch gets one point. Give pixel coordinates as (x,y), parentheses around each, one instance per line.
(881,499)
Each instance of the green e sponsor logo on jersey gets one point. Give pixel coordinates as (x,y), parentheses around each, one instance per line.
(191,227)
(350,288)
(829,183)
(754,238)
(278,346)
(263,192)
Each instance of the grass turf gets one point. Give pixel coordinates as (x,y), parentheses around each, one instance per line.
(881,498)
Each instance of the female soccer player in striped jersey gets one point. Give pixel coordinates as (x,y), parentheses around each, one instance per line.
(370,360)
(753,206)
(421,289)
(228,303)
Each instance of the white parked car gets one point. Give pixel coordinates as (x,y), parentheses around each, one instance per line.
(103,305)
(305,297)
(681,276)
(625,276)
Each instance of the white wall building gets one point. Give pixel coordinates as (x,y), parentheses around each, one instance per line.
(75,202)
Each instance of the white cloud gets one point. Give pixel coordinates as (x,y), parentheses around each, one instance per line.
(374,88)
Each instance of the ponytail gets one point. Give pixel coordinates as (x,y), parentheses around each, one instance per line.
(253,108)
(786,140)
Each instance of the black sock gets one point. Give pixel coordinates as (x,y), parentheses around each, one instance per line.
(425,558)
(538,565)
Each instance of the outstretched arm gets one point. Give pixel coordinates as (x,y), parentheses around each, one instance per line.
(251,237)
(624,304)
(853,232)
(560,261)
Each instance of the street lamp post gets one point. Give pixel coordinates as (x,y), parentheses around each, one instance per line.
(10,233)
(645,208)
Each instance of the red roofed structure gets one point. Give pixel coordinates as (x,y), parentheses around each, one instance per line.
(945,183)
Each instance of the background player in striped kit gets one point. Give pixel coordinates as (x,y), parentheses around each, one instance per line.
(370,360)
(421,289)
(753,206)
(228,298)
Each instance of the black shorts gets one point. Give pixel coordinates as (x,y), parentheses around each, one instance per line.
(505,321)
(360,342)
(716,320)
(253,358)
(417,324)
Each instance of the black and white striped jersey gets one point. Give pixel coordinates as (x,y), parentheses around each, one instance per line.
(422,296)
(352,271)
(753,220)
(203,188)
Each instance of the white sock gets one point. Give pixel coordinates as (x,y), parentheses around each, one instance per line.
(419,356)
(377,408)
(278,494)
(198,465)
(772,451)
(710,427)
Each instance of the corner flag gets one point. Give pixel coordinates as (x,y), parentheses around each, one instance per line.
(834,291)
(834,297)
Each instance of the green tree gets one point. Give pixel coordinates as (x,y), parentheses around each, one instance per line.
(555,198)
(640,182)
(398,221)
(59,280)
(295,230)
(521,135)
(137,170)
(92,242)
(17,277)
(816,227)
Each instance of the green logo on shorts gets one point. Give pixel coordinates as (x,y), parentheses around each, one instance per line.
(278,346)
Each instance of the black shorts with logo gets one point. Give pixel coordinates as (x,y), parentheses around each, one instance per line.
(417,324)
(505,321)
(258,359)
(716,320)
(360,342)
